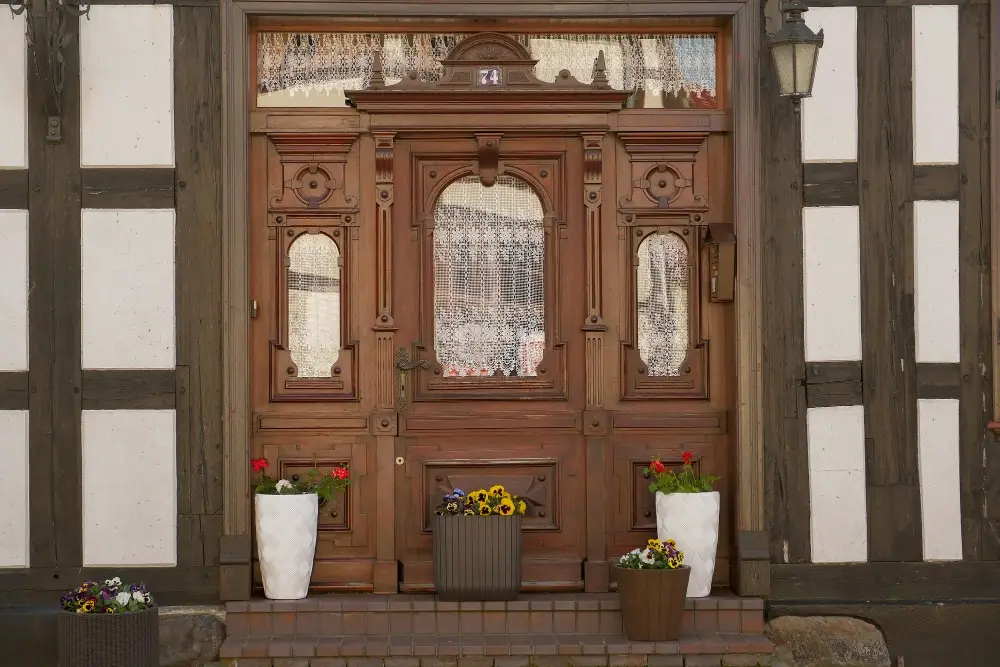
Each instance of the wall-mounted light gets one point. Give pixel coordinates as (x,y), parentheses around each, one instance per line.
(795,50)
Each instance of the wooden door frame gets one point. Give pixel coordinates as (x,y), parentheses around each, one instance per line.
(752,572)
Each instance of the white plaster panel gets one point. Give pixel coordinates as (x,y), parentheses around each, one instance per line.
(940,494)
(127,86)
(936,258)
(830,116)
(14,528)
(14,99)
(13,290)
(935,84)
(837,494)
(129,488)
(127,289)
(831,267)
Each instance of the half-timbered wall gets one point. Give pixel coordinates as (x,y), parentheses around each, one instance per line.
(110,334)
(878,364)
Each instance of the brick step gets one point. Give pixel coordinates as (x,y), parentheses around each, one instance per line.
(540,614)
(703,650)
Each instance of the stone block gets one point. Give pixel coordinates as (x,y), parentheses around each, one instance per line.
(190,636)
(826,641)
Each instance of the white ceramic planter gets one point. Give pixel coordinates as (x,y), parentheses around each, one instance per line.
(286,542)
(692,519)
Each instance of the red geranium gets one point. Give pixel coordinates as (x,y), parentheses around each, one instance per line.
(259,464)
(339,473)
(657,466)
(687,457)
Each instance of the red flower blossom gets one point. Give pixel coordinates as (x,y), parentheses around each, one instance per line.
(339,473)
(687,457)
(657,467)
(259,464)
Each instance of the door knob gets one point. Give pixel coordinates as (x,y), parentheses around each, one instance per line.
(400,460)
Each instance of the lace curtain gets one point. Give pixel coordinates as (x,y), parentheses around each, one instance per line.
(314,69)
(489,300)
(314,305)
(662,282)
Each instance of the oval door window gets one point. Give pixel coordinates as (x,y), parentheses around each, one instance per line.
(314,305)
(662,308)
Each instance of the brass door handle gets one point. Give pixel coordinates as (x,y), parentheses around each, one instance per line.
(404,364)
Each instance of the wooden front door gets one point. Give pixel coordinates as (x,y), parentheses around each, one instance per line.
(490,279)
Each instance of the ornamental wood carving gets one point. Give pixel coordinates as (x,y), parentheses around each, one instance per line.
(669,174)
(311,173)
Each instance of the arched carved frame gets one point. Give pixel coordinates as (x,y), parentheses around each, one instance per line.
(308,195)
(544,175)
(692,382)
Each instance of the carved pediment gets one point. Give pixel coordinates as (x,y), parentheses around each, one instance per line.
(487,65)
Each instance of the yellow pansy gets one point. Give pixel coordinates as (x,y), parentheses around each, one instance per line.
(484,509)
(479,495)
(521,507)
(497,490)
(506,507)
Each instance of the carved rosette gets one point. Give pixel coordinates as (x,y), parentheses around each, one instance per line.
(669,175)
(313,173)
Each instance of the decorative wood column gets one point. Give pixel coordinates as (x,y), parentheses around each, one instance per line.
(384,418)
(596,570)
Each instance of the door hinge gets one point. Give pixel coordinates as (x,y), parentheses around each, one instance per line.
(253,309)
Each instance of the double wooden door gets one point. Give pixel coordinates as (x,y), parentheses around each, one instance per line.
(454,290)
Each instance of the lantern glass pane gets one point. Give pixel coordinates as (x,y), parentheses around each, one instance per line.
(805,66)
(784,65)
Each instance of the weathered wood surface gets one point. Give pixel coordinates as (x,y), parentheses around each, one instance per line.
(887,582)
(885,170)
(784,371)
(131,187)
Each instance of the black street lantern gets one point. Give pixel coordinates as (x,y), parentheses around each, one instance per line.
(794,49)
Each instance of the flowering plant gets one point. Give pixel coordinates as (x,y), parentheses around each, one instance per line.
(323,485)
(656,555)
(481,503)
(667,480)
(110,597)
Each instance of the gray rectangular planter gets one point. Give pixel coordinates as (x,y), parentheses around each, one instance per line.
(477,558)
(110,640)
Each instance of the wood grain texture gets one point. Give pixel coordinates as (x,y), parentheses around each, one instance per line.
(235,259)
(128,390)
(14,188)
(54,311)
(935,181)
(125,188)
(200,413)
(885,169)
(833,383)
(830,184)
(784,398)
(14,390)
(939,380)
(170,585)
(979,453)
(750,492)
(885,582)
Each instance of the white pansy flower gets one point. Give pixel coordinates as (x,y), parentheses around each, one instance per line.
(138,597)
(123,598)
(283,484)
(647,557)
(113,583)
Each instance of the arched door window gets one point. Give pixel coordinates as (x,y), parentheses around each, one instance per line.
(662,283)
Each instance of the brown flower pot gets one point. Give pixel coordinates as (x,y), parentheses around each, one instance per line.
(110,640)
(652,602)
(477,558)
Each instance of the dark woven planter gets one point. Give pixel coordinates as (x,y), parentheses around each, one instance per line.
(477,557)
(109,640)
(652,602)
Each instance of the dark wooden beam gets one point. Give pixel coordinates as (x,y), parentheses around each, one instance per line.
(830,184)
(978,449)
(833,383)
(836,183)
(14,390)
(54,307)
(939,381)
(895,582)
(14,188)
(890,3)
(786,463)
(129,390)
(42,585)
(198,141)
(885,169)
(128,188)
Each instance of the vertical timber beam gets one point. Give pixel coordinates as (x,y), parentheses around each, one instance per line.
(889,369)
(786,453)
(753,574)
(54,303)
(235,547)
(979,452)
(198,146)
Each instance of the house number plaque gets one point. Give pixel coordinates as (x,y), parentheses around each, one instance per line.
(490,76)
